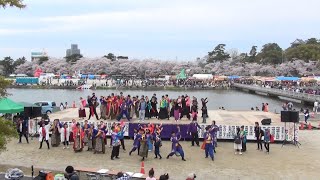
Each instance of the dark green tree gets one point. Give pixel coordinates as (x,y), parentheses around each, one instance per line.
(313,41)
(271,53)
(19,61)
(8,66)
(110,56)
(7,128)
(43,59)
(12,3)
(218,54)
(306,52)
(73,58)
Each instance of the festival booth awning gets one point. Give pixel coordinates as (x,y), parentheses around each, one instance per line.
(220,78)
(202,76)
(283,78)
(9,106)
(307,79)
(266,79)
(233,77)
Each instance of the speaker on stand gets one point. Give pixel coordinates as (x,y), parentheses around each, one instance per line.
(290,117)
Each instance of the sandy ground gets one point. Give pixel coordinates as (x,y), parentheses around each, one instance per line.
(288,162)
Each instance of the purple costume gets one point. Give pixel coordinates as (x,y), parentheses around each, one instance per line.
(176,148)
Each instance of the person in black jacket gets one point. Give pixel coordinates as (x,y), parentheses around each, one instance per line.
(22,128)
(258,134)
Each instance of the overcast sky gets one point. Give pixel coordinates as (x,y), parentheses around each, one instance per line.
(161,29)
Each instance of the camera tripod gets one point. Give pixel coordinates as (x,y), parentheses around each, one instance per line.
(294,140)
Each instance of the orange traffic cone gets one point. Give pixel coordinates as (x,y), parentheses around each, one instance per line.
(301,126)
(309,126)
(142,168)
(74,104)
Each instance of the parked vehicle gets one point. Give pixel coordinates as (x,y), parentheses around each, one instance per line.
(47,107)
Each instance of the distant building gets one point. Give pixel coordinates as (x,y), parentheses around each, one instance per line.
(35,56)
(74,50)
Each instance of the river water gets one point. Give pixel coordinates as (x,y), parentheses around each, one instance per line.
(229,99)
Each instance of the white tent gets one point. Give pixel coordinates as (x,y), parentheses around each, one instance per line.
(203,76)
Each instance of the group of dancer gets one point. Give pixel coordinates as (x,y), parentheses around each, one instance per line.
(117,106)
(147,138)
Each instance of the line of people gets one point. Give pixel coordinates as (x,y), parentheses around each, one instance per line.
(116,107)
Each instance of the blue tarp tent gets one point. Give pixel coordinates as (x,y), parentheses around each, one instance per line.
(27,80)
(233,77)
(282,78)
(90,76)
(83,76)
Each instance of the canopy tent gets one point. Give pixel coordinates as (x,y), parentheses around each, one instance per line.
(307,79)
(202,76)
(38,72)
(282,78)
(182,75)
(233,77)
(8,106)
(220,78)
(266,79)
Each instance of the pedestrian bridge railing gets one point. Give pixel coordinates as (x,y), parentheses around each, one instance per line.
(280,92)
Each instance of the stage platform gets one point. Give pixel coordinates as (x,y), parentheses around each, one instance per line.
(227,121)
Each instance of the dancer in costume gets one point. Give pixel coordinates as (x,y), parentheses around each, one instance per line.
(91,136)
(144,146)
(148,108)
(121,137)
(65,135)
(124,109)
(100,146)
(136,141)
(55,136)
(82,105)
(85,129)
(163,113)
(149,139)
(103,108)
(176,148)
(78,138)
(157,145)
(208,140)
(154,111)
(193,131)
(115,143)
(44,134)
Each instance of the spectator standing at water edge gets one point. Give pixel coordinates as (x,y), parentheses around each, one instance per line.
(82,111)
(263,106)
(266,107)
(257,132)
(315,106)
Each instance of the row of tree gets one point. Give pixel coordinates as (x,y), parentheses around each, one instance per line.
(151,68)
(271,53)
